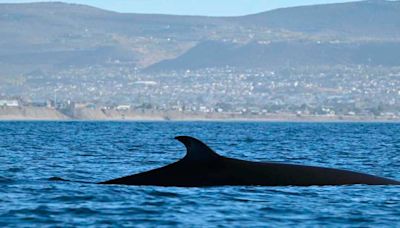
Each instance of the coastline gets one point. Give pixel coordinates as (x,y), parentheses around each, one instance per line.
(49,114)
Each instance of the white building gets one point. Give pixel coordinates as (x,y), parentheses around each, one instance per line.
(123,107)
(9,103)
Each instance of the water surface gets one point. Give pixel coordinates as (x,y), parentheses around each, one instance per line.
(32,152)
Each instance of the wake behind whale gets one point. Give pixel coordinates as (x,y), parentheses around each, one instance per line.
(203,167)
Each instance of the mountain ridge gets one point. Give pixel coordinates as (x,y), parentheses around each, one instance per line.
(150,39)
(282,54)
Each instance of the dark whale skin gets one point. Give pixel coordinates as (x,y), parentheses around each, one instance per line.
(203,167)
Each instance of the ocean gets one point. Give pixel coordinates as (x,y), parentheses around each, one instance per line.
(33,152)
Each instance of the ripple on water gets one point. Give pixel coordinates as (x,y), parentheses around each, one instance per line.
(31,152)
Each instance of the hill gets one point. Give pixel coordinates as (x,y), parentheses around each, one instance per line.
(374,19)
(283,54)
(55,36)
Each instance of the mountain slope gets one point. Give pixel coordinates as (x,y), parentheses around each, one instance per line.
(376,18)
(43,30)
(283,54)
(58,35)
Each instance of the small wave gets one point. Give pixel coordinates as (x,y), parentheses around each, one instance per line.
(82,211)
(74,181)
(5,180)
(15,169)
(73,198)
(249,140)
(164,194)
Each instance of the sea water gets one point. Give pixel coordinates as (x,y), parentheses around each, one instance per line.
(33,152)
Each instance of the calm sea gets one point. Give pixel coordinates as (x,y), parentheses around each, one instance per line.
(32,152)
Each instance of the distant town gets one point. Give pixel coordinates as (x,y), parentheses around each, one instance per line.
(325,62)
(123,92)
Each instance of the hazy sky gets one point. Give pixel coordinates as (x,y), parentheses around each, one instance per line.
(193,7)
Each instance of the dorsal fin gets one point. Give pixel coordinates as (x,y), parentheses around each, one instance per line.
(196,150)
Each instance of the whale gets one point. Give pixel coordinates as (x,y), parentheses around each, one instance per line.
(202,167)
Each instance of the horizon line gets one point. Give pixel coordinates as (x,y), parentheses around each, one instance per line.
(188,14)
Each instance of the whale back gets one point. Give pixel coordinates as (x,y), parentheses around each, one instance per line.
(201,166)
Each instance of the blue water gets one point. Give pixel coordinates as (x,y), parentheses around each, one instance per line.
(32,152)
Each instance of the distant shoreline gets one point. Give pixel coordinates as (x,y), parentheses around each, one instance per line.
(272,120)
(208,120)
(86,114)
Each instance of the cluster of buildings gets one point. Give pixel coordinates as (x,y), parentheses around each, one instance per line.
(332,91)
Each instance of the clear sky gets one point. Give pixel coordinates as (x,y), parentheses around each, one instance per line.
(192,7)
